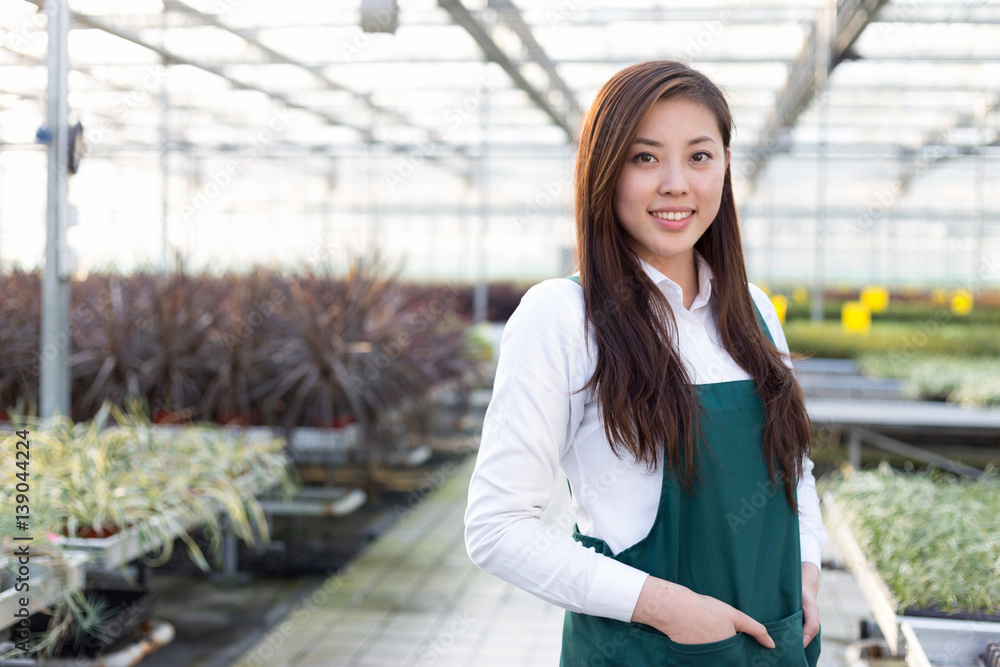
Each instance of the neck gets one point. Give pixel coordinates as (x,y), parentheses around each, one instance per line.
(682,269)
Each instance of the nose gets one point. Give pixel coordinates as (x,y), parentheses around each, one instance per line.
(673,179)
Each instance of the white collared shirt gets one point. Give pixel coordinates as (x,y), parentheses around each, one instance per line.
(536,425)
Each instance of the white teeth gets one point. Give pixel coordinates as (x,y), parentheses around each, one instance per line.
(673,216)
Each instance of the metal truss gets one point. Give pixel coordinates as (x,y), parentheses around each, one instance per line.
(824,49)
(562,106)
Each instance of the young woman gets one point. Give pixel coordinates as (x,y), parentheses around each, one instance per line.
(658,379)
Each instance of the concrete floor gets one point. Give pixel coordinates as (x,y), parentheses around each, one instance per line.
(414,598)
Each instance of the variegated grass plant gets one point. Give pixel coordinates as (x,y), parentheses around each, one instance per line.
(151,483)
(934,539)
(973,381)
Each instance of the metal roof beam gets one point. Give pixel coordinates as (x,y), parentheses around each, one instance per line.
(433,136)
(564,112)
(172,58)
(932,151)
(88,21)
(807,75)
(276,57)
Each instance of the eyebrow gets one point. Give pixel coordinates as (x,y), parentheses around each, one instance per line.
(650,142)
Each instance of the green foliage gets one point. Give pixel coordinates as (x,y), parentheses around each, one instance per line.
(478,347)
(119,473)
(973,381)
(935,540)
(901,311)
(828,339)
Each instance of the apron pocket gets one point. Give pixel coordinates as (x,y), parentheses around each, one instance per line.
(788,650)
(649,648)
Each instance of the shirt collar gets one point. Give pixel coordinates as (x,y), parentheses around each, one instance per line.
(673,291)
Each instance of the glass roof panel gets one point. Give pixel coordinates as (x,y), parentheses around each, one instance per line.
(406,110)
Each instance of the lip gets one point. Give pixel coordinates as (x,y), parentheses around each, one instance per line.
(672,225)
(672,209)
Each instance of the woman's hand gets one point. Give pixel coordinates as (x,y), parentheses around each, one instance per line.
(810,608)
(689,618)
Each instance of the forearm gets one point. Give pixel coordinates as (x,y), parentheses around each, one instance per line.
(810,604)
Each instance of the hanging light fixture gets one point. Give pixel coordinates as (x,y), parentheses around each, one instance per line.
(379,15)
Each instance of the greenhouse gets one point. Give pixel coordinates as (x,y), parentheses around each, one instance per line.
(277,306)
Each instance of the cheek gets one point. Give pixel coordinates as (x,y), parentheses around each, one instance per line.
(711,186)
(624,196)
(634,190)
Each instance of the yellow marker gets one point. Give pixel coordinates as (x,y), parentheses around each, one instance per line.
(856,317)
(961,302)
(780,306)
(876,298)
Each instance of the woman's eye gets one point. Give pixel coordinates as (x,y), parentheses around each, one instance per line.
(644,158)
(701,156)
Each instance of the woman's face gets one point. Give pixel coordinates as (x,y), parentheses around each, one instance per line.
(670,188)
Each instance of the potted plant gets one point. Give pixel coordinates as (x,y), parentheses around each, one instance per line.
(138,487)
(20,324)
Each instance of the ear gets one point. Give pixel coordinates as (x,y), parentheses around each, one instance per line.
(729,155)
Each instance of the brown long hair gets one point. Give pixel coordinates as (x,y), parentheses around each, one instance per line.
(644,391)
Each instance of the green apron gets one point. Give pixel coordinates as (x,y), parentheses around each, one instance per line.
(736,539)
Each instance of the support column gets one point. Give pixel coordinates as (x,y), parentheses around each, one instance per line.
(165,170)
(54,377)
(480,295)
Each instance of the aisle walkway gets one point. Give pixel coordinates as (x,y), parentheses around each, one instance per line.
(414,598)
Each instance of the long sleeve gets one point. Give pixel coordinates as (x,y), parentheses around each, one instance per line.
(529,426)
(812,534)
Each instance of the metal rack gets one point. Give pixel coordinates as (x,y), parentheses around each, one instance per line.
(92,556)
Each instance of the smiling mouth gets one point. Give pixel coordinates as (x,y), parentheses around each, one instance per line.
(673,215)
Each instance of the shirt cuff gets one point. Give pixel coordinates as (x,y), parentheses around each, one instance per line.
(812,551)
(615,590)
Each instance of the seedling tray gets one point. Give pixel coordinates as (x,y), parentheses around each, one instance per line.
(106,553)
(926,641)
(45,589)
